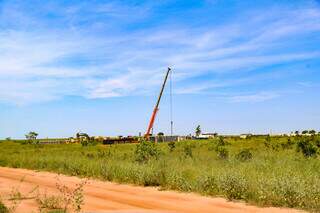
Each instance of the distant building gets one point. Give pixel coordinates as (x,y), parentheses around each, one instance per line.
(206,135)
(244,136)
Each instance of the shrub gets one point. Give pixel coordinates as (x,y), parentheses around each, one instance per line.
(3,208)
(51,202)
(155,176)
(287,190)
(288,144)
(177,181)
(244,155)
(188,151)
(209,185)
(145,151)
(307,148)
(211,145)
(221,141)
(89,142)
(223,153)
(71,197)
(267,141)
(317,142)
(234,186)
(171,145)
(84,142)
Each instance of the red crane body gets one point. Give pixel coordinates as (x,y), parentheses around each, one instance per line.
(156,108)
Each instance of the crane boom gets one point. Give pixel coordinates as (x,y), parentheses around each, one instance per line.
(156,108)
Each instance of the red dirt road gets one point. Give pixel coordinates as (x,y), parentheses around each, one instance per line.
(111,197)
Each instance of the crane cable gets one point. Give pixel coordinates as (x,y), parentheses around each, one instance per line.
(171,107)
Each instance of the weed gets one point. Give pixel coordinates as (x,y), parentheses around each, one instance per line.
(234,186)
(49,203)
(16,197)
(244,155)
(3,208)
(222,152)
(71,197)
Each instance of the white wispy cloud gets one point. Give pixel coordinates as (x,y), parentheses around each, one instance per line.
(89,58)
(253,98)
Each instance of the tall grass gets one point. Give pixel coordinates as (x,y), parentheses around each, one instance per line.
(273,174)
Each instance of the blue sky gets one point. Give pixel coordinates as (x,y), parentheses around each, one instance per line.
(97,66)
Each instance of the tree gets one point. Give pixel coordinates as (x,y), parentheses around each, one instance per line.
(160,134)
(8,139)
(305,132)
(31,136)
(198,130)
(146,151)
(160,137)
(312,132)
(296,132)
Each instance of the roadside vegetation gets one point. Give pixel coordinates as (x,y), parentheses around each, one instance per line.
(3,208)
(263,170)
(68,199)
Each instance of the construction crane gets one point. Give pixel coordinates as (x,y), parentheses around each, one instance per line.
(156,108)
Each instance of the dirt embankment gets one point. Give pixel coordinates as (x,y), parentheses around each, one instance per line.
(111,197)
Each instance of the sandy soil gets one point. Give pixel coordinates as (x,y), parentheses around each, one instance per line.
(111,197)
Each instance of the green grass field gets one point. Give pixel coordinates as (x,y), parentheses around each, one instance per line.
(268,171)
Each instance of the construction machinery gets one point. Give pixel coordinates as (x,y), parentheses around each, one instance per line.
(84,138)
(119,139)
(156,108)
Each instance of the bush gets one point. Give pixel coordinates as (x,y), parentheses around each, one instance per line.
(188,150)
(234,186)
(244,155)
(221,142)
(171,145)
(307,148)
(223,153)
(52,202)
(177,181)
(267,142)
(3,208)
(209,185)
(89,142)
(145,151)
(288,144)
